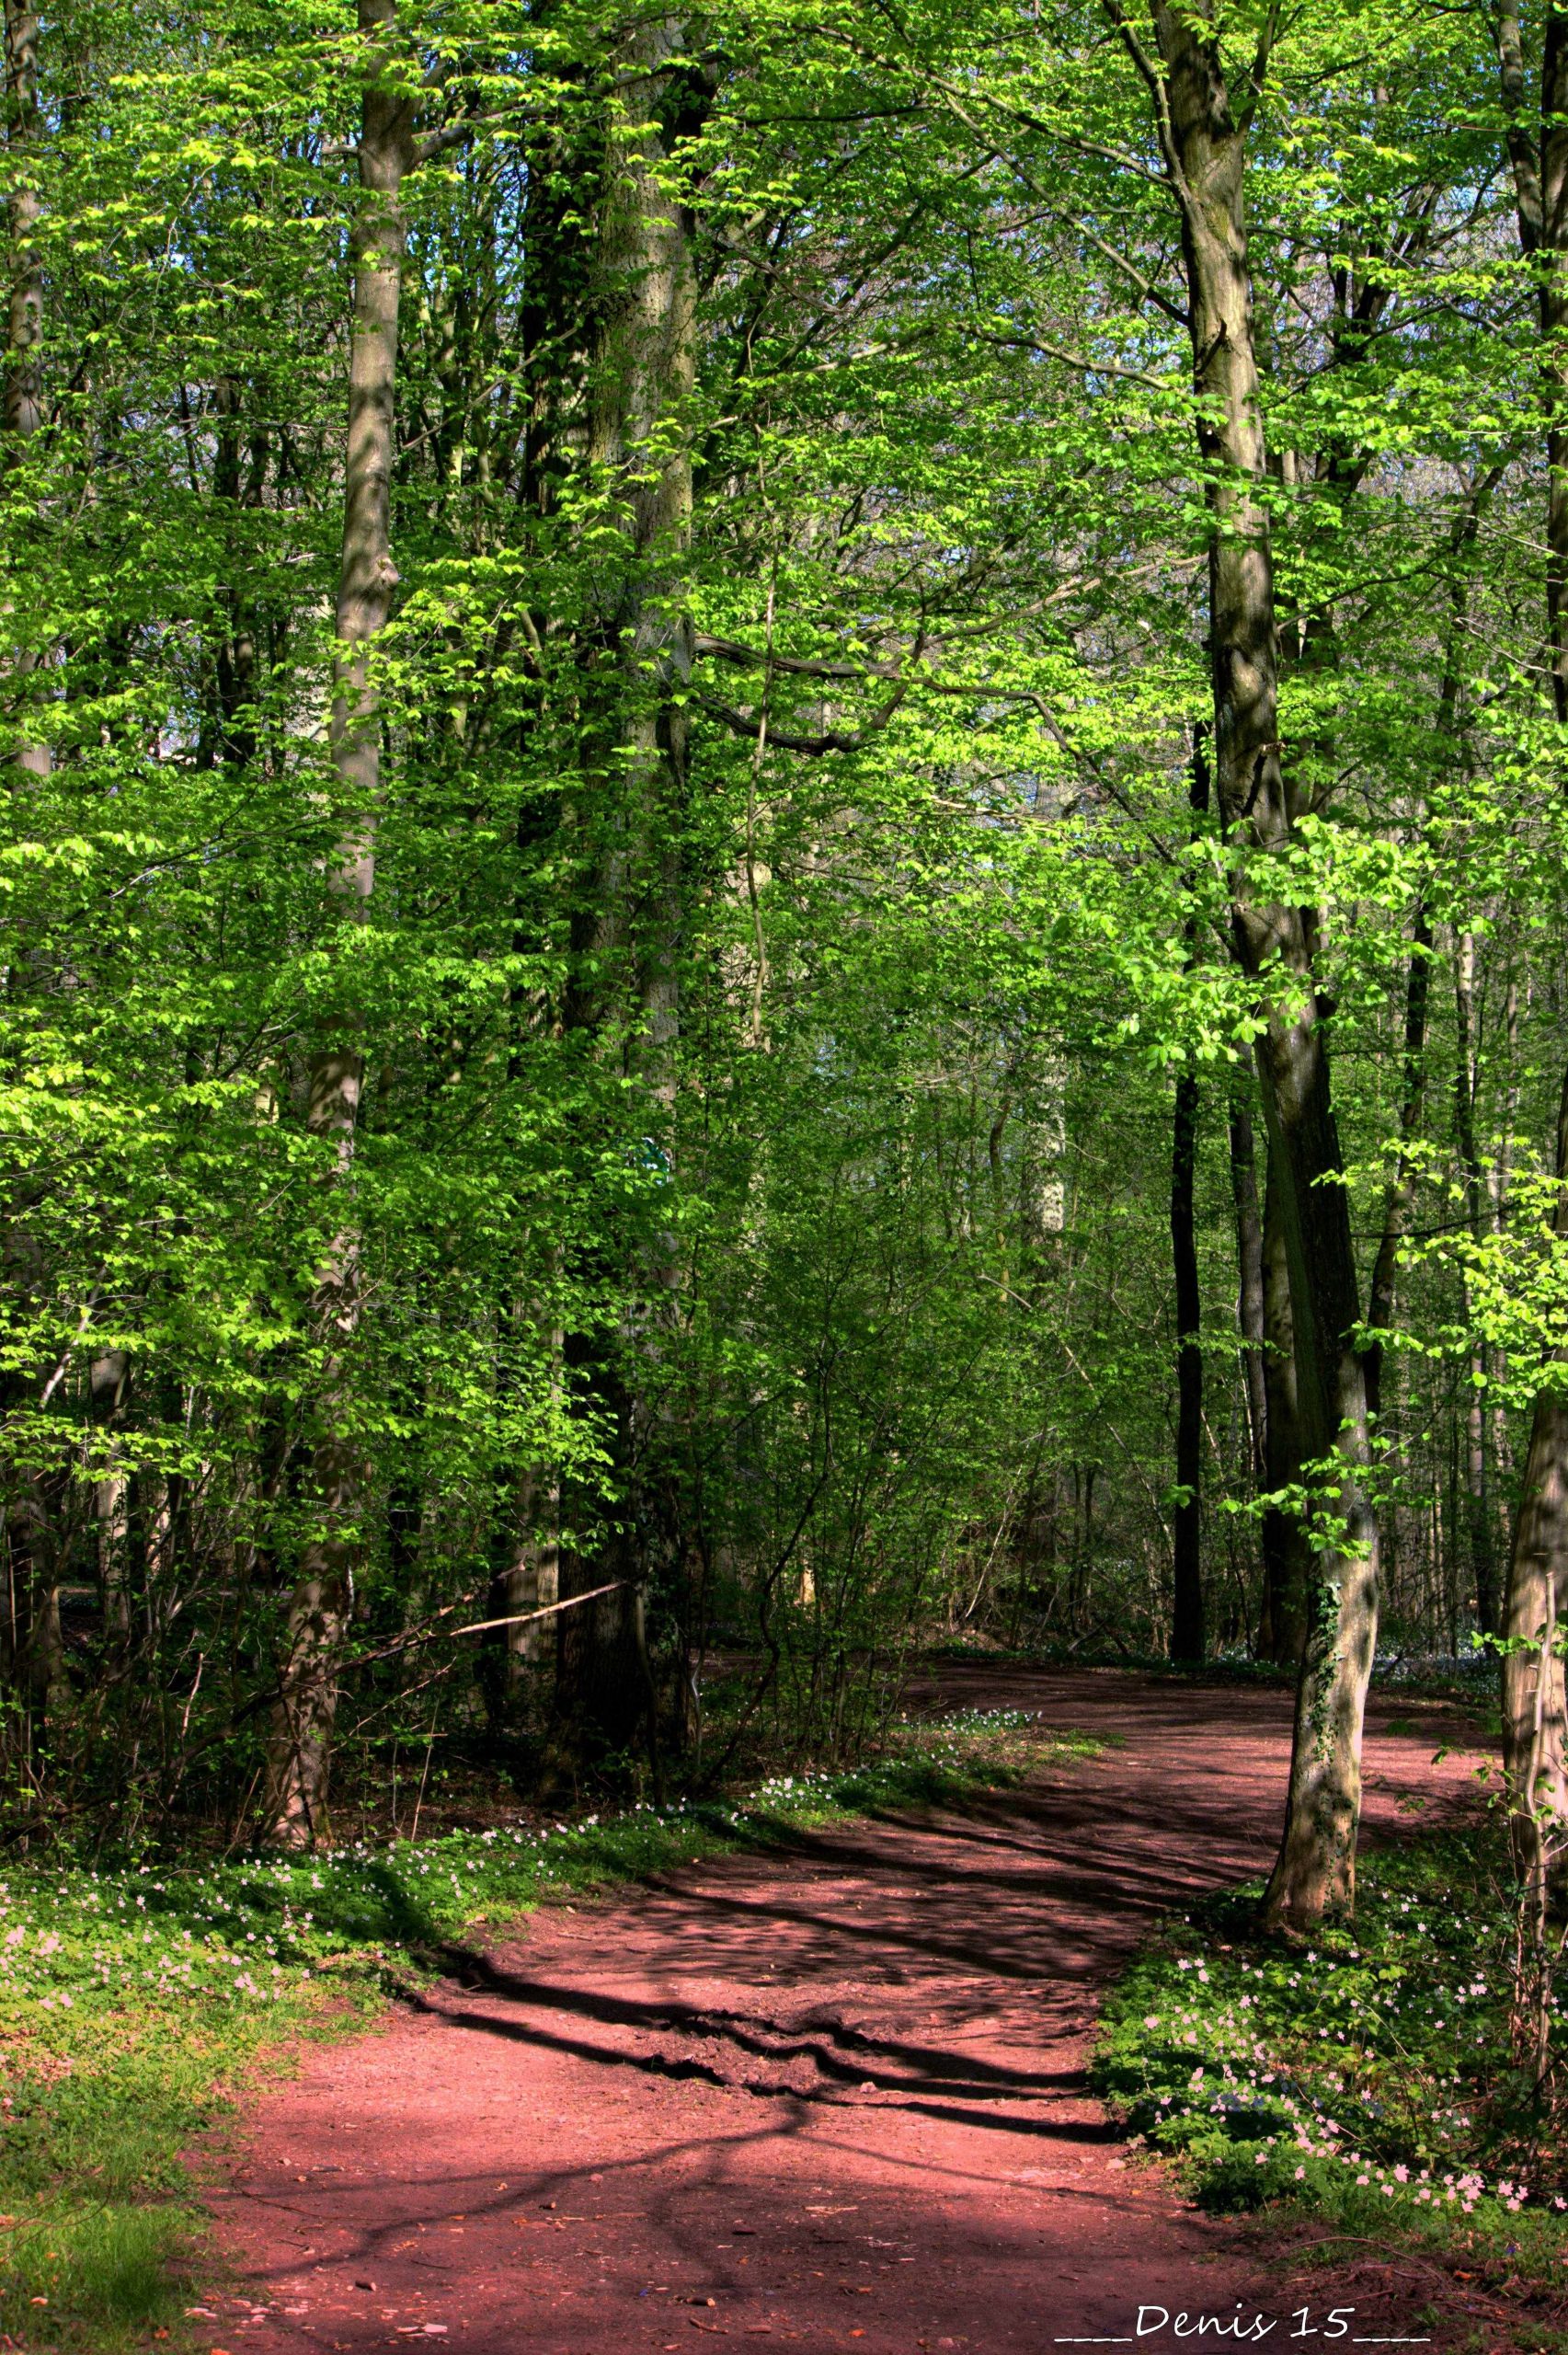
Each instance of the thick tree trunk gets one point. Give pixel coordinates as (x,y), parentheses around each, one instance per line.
(1535,1705)
(1202,144)
(299,1748)
(1539,158)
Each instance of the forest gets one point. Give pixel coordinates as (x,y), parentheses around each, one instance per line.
(784,1174)
(783,879)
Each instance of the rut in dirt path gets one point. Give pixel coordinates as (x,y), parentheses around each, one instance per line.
(836,2100)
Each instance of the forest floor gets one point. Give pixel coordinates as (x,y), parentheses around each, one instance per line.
(835,2098)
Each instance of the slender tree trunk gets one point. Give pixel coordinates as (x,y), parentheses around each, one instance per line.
(229,733)
(1267,1359)
(1289,1561)
(1202,146)
(1187,1520)
(300,1749)
(1249,1281)
(1186,1529)
(111,1506)
(1502,1451)
(527,1578)
(1477,1470)
(1399,1199)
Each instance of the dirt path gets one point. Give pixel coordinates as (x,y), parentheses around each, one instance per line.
(836,2100)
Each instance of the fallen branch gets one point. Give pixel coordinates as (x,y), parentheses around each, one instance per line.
(520,1618)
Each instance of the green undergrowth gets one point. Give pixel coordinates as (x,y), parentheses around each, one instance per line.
(134,2005)
(1470,1677)
(1365,2081)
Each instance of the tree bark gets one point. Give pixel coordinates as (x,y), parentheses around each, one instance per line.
(1249,1280)
(299,1748)
(1399,1200)
(24,337)
(1250,1324)
(1187,1520)
(1534,1702)
(1202,146)
(1539,165)
(1186,1527)
(1535,1705)
(106,1381)
(627,937)
(1477,1469)
(24,370)
(1290,1563)
(526,1578)
(33,1643)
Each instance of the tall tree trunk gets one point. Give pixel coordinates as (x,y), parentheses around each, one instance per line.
(1534,1702)
(229,729)
(1477,1469)
(627,939)
(1202,146)
(24,338)
(1186,1529)
(1290,1563)
(24,372)
(1539,161)
(33,1642)
(1187,1520)
(299,1748)
(111,1506)
(526,1577)
(1249,1324)
(1399,1200)
(1248,1279)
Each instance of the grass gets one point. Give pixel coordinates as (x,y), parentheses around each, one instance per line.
(1365,2082)
(135,2006)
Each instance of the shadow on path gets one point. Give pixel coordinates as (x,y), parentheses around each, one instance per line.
(835,2096)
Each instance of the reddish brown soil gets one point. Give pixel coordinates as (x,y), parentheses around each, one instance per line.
(837,2100)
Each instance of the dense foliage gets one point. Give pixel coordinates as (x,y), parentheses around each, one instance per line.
(1372,2078)
(633,934)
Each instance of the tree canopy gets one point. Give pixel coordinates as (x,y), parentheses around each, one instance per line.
(784,858)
